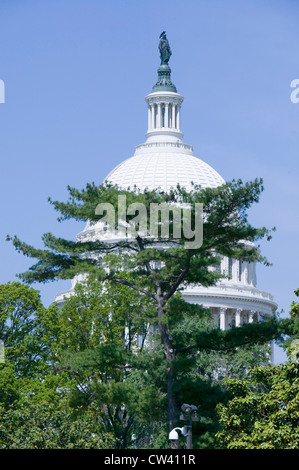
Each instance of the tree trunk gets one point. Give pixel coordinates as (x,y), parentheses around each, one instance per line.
(172,407)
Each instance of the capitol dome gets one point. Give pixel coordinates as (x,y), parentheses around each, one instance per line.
(164,169)
(164,161)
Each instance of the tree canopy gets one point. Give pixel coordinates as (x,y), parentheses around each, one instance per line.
(157,268)
(263,412)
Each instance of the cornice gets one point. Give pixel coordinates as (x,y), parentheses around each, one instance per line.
(165,97)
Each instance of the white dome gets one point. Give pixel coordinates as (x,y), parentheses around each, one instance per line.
(164,170)
(164,161)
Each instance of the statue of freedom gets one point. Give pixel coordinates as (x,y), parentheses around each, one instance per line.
(164,48)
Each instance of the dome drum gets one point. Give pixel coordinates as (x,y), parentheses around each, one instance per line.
(164,113)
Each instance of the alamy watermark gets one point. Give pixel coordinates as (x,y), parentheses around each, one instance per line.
(2,91)
(160,221)
(295,93)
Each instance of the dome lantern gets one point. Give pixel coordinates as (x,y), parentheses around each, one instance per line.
(164,103)
(164,160)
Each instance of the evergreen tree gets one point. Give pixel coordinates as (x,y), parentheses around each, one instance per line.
(157,268)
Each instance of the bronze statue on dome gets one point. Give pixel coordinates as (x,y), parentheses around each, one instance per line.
(164,48)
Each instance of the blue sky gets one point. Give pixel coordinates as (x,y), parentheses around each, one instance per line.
(76,73)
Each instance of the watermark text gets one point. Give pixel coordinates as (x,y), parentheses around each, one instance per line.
(295,93)
(2,91)
(159,221)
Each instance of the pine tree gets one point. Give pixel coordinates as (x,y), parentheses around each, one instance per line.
(158,267)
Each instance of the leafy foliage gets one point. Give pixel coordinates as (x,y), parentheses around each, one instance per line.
(44,426)
(264,413)
(264,410)
(18,306)
(225,224)
(133,291)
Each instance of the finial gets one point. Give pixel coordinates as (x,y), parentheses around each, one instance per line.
(164,82)
(164,48)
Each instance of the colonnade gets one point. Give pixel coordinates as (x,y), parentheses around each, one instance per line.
(234,317)
(163,115)
(238,271)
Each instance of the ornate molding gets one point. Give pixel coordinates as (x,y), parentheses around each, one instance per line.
(164,98)
(173,145)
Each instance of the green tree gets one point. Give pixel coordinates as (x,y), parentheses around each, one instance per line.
(291,344)
(92,339)
(19,305)
(24,360)
(201,378)
(44,426)
(159,267)
(264,410)
(33,398)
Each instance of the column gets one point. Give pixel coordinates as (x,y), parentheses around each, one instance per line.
(166,119)
(238,316)
(225,266)
(153,116)
(222,265)
(178,118)
(158,124)
(249,273)
(254,274)
(250,316)
(149,113)
(222,318)
(246,273)
(173,116)
(235,271)
(240,271)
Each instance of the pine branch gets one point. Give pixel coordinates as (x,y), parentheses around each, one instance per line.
(179,279)
(254,333)
(131,285)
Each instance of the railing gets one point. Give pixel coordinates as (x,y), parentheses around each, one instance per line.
(165,144)
(235,290)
